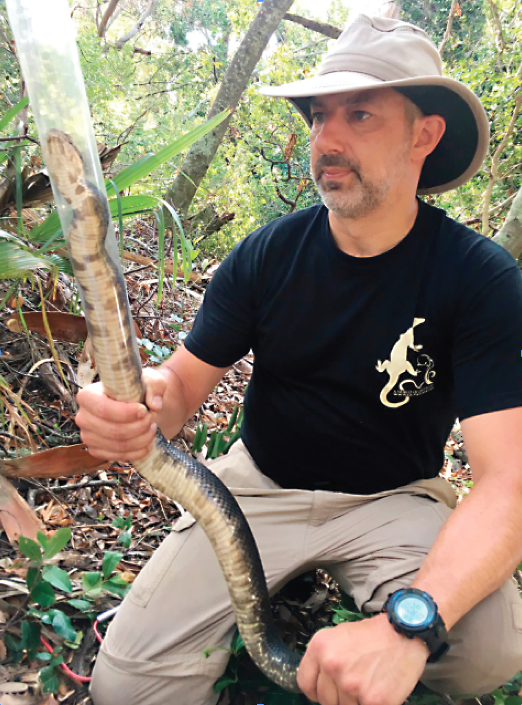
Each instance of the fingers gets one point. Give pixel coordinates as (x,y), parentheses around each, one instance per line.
(308,674)
(155,388)
(114,430)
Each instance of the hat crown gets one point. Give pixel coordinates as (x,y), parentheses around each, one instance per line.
(387,49)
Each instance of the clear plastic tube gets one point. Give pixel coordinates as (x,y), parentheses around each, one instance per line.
(45,40)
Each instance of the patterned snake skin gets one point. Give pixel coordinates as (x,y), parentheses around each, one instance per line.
(172,472)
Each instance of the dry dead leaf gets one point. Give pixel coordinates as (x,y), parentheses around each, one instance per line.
(13,688)
(64,326)
(62,461)
(54,514)
(20,700)
(128,576)
(16,516)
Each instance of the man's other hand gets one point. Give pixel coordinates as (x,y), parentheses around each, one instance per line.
(361,663)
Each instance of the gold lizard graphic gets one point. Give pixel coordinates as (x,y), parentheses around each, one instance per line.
(399,363)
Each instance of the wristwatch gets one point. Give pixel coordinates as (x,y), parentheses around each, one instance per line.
(414,613)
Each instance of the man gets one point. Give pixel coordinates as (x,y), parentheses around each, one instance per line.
(375,321)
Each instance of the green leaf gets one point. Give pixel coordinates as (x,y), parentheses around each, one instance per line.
(110,561)
(82,605)
(125,539)
(15,647)
(30,638)
(48,232)
(17,262)
(92,582)
(44,656)
(117,586)
(512,700)
(49,679)
(62,625)
(233,420)
(50,228)
(32,577)
(27,546)
(13,112)
(148,164)
(57,577)
(43,595)
(58,541)
(223,683)
(237,643)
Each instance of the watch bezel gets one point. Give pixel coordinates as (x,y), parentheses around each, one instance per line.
(396,598)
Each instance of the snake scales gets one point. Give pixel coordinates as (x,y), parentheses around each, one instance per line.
(175,474)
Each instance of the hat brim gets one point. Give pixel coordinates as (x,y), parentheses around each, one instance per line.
(463,147)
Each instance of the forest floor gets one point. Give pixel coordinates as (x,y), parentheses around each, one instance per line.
(111,510)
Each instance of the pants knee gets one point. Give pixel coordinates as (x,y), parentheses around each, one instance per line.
(184,678)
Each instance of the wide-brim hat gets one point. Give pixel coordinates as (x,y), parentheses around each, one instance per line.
(376,52)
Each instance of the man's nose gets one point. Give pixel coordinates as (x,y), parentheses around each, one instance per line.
(330,136)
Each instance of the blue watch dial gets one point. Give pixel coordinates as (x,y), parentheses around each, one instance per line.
(412,611)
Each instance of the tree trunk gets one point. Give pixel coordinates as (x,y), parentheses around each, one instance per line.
(235,80)
(510,235)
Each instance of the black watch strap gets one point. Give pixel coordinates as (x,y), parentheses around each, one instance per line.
(436,640)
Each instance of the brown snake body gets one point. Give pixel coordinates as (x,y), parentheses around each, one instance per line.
(169,470)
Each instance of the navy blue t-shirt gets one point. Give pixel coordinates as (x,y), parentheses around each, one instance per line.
(362,364)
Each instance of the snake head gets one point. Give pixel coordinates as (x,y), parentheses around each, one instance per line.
(64,163)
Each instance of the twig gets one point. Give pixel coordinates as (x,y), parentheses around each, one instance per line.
(499,34)
(108,12)
(137,27)
(447,33)
(321,27)
(139,269)
(493,173)
(80,485)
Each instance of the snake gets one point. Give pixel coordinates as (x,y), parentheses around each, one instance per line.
(167,468)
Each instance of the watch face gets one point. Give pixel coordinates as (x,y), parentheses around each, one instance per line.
(413,611)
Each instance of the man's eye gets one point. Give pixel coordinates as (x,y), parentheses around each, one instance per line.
(361,115)
(317,117)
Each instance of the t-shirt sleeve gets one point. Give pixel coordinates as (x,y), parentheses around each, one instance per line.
(487,362)
(223,329)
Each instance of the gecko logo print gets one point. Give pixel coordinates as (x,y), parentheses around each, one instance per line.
(398,365)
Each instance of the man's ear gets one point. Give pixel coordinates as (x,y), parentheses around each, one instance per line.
(428,132)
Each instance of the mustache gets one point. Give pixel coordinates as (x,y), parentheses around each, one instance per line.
(336,160)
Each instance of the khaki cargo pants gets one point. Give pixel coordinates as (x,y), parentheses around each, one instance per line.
(372,545)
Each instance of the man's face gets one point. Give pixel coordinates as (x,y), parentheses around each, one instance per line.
(360,146)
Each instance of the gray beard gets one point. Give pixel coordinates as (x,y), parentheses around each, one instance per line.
(355,201)
(360,197)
